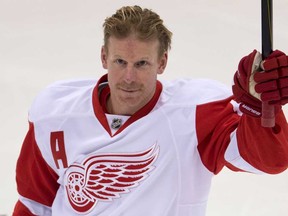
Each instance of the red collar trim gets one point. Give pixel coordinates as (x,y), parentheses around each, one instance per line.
(103,97)
(99,104)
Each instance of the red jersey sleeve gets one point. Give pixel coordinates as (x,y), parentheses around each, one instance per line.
(215,122)
(265,149)
(35,178)
(21,209)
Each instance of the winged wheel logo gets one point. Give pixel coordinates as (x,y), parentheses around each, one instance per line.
(105,177)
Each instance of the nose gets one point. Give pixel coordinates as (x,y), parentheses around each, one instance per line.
(130,74)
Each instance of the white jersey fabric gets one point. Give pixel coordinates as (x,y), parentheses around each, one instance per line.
(79,160)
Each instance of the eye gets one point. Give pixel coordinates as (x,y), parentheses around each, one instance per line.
(141,63)
(120,61)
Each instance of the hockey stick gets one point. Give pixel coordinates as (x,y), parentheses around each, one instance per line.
(268,116)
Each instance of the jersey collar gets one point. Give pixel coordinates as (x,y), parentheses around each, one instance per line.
(99,98)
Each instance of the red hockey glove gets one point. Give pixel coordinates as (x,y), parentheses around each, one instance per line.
(273,85)
(257,81)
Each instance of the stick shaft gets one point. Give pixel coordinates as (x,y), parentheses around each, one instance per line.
(268,116)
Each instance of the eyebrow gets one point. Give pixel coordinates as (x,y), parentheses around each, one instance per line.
(141,59)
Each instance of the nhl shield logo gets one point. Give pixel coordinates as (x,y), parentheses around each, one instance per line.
(116,123)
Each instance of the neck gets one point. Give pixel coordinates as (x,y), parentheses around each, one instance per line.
(118,110)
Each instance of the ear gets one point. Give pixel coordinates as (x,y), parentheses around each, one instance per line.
(162,63)
(104,57)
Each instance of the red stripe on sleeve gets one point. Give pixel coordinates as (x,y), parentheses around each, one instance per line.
(215,122)
(21,210)
(35,178)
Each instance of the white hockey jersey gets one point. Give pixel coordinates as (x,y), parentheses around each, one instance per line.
(77,159)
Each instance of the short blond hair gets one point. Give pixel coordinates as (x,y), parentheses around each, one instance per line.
(143,23)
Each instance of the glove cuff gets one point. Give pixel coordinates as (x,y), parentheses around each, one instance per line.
(248,104)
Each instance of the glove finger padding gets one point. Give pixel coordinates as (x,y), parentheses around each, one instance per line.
(272,83)
(275,60)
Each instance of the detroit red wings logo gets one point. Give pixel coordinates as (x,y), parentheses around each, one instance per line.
(105,177)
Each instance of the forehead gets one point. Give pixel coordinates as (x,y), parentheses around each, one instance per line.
(132,46)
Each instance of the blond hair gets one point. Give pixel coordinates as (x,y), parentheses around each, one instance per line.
(143,23)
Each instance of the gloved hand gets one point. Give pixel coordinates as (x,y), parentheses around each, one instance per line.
(257,80)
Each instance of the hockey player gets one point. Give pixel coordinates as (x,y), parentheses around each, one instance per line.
(128,144)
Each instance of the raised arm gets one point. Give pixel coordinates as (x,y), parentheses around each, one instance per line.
(230,134)
(264,148)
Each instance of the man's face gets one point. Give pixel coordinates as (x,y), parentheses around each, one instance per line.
(132,67)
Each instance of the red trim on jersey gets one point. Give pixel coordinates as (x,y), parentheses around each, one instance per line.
(98,109)
(99,105)
(215,122)
(105,93)
(21,210)
(36,180)
(261,147)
